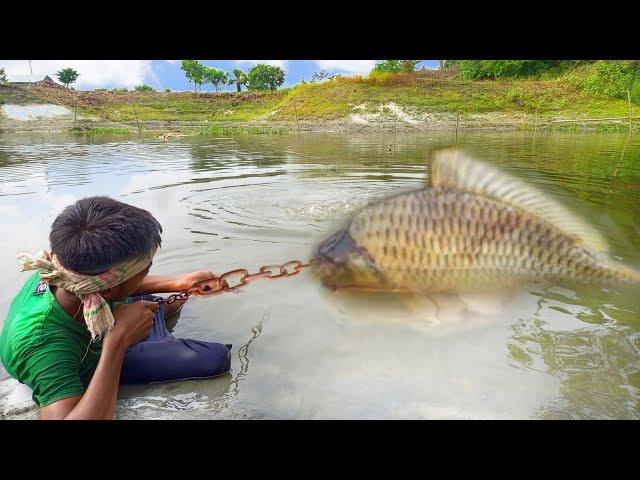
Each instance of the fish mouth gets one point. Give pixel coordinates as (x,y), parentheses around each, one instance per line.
(342,263)
(337,249)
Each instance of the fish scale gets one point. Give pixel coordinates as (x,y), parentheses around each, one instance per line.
(474,227)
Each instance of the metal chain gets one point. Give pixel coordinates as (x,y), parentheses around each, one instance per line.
(267,271)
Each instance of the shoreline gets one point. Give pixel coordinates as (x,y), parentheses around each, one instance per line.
(425,102)
(486,122)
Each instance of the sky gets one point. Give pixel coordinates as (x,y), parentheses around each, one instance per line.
(163,74)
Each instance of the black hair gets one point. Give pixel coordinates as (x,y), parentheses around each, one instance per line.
(96,233)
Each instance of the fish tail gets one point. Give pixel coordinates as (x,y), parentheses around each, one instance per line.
(626,274)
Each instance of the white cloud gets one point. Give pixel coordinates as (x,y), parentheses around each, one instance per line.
(277,63)
(347,66)
(93,73)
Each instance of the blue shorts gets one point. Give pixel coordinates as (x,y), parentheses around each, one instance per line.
(163,358)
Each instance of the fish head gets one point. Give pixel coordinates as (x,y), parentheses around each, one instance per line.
(342,263)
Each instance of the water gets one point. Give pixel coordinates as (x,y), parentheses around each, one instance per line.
(301,351)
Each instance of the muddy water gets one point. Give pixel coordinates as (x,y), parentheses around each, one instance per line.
(303,352)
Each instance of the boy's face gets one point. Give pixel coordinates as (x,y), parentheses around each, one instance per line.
(126,289)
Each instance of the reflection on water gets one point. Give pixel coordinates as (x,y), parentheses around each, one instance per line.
(563,351)
(243,354)
(596,362)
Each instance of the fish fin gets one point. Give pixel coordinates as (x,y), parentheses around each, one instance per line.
(452,169)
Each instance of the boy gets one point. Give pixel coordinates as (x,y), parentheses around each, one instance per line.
(63,337)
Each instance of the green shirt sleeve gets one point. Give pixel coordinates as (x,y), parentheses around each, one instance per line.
(52,372)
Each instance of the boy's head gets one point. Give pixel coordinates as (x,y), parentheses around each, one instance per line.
(97,233)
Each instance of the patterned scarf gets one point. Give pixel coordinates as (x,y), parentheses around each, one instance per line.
(97,313)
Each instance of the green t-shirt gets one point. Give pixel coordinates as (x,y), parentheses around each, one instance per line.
(44,348)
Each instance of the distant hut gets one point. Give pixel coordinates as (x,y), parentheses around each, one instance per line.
(25,80)
(48,82)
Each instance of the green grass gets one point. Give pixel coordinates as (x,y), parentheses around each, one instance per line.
(184,107)
(98,131)
(433,93)
(218,130)
(604,127)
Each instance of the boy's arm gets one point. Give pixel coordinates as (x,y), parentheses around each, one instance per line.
(99,401)
(133,323)
(174,283)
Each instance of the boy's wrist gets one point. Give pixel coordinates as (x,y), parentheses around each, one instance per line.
(115,339)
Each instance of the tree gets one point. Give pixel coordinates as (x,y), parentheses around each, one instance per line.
(144,88)
(388,66)
(396,66)
(3,76)
(441,64)
(319,76)
(67,76)
(194,71)
(265,77)
(239,78)
(215,77)
(409,66)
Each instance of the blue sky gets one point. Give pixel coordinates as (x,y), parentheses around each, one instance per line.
(162,74)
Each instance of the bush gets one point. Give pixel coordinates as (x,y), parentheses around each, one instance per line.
(143,88)
(635,90)
(612,78)
(524,99)
(388,78)
(119,90)
(498,69)
(350,79)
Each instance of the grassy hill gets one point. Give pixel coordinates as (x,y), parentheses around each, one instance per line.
(421,100)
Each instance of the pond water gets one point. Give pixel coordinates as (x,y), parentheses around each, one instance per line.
(301,351)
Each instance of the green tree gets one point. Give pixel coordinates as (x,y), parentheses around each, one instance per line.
(3,77)
(194,71)
(396,66)
(67,76)
(409,66)
(215,77)
(265,77)
(239,78)
(144,88)
(388,66)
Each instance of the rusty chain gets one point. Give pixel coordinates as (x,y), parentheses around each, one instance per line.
(266,271)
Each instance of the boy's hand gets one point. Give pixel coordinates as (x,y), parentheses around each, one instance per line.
(209,279)
(133,321)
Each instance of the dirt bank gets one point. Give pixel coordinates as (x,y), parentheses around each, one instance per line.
(307,108)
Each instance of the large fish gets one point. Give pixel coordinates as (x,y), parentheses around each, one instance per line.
(473,228)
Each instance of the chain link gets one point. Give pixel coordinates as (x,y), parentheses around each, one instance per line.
(266,271)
